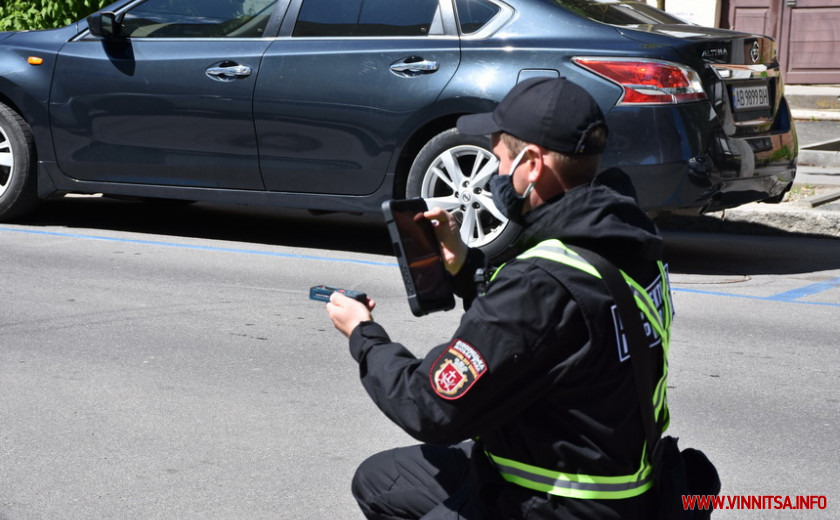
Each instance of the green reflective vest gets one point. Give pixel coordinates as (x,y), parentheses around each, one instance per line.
(593,486)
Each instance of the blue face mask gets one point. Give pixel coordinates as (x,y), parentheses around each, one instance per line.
(505,197)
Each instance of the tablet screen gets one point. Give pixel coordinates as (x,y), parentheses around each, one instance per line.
(428,284)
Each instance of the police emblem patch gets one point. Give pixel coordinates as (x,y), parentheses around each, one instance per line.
(457,370)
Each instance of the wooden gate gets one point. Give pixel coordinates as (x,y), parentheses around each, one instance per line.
(807,33)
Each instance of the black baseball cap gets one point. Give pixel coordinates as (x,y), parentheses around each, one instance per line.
(551,112)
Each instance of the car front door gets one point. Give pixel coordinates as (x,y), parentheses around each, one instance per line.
(169,101)
(342,85)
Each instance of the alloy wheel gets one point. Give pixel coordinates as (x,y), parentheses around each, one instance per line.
(7,162)
(458,180)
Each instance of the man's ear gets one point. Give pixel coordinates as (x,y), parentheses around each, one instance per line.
(535,157)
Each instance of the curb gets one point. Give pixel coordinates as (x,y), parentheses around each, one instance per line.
(746,220)
(817,216)
(818,158)
(801,114)
(784,218)
(823,154)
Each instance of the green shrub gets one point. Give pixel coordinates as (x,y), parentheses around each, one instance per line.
(17,15)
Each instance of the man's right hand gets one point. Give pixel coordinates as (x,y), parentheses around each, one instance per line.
(448,234)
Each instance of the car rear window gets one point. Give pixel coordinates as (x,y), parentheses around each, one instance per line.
(614,12)
(474,14)
(330,18)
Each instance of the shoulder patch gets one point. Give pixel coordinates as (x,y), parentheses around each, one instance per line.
(457,370)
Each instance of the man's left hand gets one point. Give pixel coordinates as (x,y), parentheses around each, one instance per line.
(346,313)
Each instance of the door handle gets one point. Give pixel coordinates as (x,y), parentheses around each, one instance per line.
(228,72)
(414,65)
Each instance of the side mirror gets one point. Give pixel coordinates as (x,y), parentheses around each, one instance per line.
(104,25)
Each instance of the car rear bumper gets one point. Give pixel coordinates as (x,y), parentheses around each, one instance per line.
(681,157)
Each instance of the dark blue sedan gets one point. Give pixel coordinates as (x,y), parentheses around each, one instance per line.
(338,105)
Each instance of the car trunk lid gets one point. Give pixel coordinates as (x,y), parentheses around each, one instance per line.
(740,72)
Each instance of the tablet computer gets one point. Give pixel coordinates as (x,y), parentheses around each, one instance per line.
(427,283)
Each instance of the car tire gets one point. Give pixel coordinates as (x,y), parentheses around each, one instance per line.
(453,171)
(18,165)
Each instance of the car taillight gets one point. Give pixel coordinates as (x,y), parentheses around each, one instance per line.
(648,81)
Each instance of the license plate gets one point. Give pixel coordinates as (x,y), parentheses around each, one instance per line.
(745,98)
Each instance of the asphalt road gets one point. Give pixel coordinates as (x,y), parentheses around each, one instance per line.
(166,363)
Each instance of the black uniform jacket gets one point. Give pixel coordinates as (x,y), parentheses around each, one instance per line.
(525,372)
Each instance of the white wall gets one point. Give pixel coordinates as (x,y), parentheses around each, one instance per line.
(701,12)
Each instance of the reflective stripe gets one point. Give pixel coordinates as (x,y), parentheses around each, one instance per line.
(659,396)
(572,485)
(557,251)
(646,305)
(590,486)
(661,326)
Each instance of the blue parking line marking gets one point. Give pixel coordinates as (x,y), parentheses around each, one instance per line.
(200,248)
(760,298)
(808,290)
(795,296)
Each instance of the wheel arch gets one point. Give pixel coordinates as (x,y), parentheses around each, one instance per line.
(412,147)
(447,113)
(27,118)
(9,102)
(19,194)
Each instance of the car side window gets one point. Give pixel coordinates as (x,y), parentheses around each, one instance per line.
(474,14)
(198,19)
(332,18)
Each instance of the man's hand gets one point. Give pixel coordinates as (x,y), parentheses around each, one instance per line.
(346,313)
(448,234)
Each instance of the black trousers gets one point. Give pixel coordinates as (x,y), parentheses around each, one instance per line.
(423,481)
(443,483)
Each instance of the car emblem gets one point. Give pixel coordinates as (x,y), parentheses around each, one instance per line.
(755,53)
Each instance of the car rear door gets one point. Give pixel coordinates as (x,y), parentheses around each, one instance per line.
(342,85)
(171,102)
